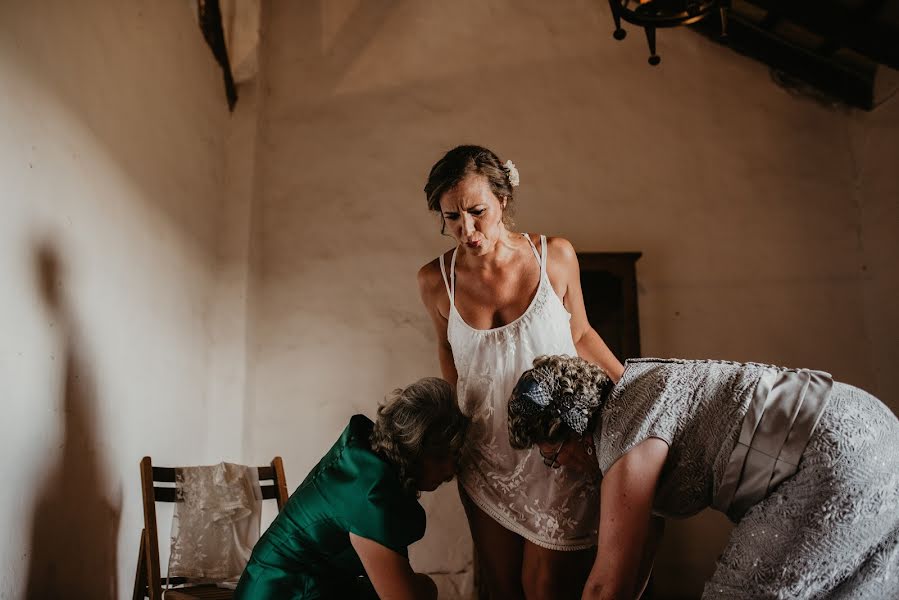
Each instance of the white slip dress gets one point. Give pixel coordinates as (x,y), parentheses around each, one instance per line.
(553,508)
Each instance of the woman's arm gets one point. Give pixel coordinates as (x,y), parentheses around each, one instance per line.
(590,346)
(390,573)
(656,529)
(629,533)
(436,301)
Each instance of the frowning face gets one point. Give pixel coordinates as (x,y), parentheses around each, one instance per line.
(473,215)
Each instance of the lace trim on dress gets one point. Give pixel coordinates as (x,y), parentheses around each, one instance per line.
(515,526)
(550,508)
(216,522)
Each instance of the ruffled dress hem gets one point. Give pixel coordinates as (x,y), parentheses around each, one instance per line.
(515,527)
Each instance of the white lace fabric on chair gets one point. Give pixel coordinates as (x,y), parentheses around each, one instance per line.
(216,522)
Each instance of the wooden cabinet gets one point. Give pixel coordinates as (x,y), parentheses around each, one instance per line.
(609,284)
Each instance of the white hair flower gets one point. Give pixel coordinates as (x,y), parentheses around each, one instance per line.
(514,179)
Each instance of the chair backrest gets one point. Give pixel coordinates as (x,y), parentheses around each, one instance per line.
(148,581)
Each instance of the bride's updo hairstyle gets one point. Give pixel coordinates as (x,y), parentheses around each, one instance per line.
(463,161)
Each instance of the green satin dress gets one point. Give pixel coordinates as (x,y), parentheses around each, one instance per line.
(306,552)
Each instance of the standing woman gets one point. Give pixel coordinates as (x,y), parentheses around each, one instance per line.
(498,300)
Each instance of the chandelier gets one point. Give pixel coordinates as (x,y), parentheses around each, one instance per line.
(655,14)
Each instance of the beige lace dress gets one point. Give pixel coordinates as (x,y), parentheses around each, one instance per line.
(552,508)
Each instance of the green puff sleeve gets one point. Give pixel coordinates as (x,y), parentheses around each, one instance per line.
(379,508)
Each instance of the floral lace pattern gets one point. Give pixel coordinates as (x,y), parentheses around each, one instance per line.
(216,521)
(695,406)
(829,531)
(549,507)
(832,529)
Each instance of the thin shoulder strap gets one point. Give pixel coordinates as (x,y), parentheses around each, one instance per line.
(542,254)
(533,248)
(443,272)
(453,277)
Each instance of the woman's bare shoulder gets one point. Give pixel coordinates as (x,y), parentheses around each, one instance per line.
(560,252)
(430,279)
(560,246)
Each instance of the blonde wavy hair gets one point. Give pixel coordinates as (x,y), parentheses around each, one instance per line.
(420,420)
(570,377)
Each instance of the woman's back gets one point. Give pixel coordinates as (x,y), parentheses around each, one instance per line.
(351,489)
(696,406)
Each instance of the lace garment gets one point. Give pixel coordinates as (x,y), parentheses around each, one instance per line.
(216,522)
(831,530)
(550,507)
(696,407)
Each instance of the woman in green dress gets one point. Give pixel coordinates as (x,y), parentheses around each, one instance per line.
(344,532)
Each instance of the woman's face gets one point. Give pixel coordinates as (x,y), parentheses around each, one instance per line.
(473,215)
(435,469)
(574,453)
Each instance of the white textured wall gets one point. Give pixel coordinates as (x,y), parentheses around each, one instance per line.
(743,199)
(236,287)
(111,163)
(875,143)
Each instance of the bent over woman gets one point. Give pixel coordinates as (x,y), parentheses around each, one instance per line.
(806,466)
(344,532)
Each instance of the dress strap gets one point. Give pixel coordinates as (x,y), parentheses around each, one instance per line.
(453,277)
(542,254)
(533,247)
(445,280)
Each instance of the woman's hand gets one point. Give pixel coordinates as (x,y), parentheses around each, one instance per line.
(593,588)
(390,573)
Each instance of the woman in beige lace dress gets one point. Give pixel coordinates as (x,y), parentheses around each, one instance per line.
(497,300)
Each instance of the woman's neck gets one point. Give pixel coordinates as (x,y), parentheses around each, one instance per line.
(503,251)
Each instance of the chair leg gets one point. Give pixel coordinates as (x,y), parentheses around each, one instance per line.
(140,577)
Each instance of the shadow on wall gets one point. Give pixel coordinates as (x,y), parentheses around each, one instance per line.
(328,61)
(140,80)
(75,526)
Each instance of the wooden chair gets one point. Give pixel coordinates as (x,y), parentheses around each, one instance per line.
(147,581)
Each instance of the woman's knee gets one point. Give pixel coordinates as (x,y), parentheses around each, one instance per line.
(554,575)
(546,583)
(538,583)
(499,571)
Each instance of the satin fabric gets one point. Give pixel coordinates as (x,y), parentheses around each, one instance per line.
(306,552)
(784,411)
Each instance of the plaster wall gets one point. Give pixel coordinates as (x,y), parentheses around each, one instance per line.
(875,143)
(744,200)
(112,159)
(197,287)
